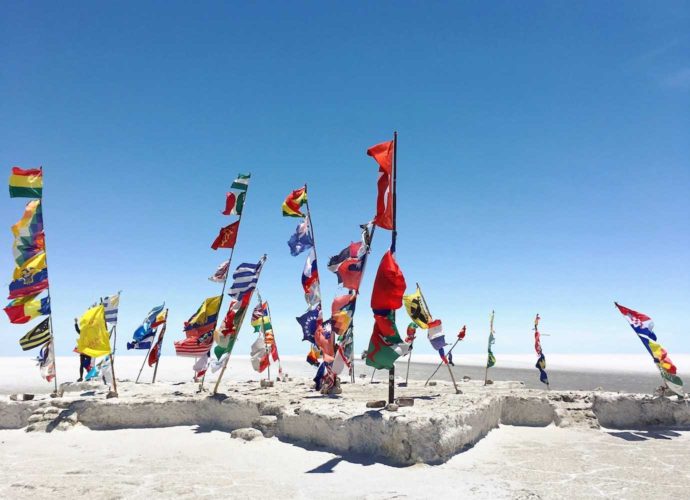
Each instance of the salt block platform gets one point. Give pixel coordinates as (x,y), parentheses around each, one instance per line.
(438,426)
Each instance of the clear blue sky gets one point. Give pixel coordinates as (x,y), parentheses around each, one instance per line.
(543,156)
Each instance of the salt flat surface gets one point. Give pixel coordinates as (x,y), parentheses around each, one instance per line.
(188,462)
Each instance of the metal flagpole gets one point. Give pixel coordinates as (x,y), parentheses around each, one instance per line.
(316,259)
(452,377)
(155,370)
(244,313)
(394,238)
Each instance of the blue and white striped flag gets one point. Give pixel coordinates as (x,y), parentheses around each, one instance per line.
(111,305)
(245,278)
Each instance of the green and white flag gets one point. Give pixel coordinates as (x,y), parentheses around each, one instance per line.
(491,360)
(242,182)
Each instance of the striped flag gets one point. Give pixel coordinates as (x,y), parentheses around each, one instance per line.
(245,278)
(26,183)
(111,305)
(242,182)
(221,273)
(38,336)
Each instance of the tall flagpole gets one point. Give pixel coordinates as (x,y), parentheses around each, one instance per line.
(394,238)
(225,281)
(160,349)
(491,332)
(244,313)
(316,259)
(144,362)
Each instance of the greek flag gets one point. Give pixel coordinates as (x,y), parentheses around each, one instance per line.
(111,305)
(245,278)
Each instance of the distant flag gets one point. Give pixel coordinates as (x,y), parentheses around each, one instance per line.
(37,336)
(541,361)
(46,362)
(111,305)
(221,273)
(241,183)
(293,203)
(155,353)
(24,309)
(234,202)
(264,351)
(145,333)
(302,239)
(30,278)
(310,321)
(491,359)
(383,154)
(245,278)
(26,183)
(437,338)
(416,309)
(644,328)
(94,340)
(227,237)
(411,333)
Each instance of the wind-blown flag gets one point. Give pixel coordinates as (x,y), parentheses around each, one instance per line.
(145,333)
(46,362)
(383,154)
(204,319)
(94,340)
(155,353)
(26,183)
(221,273)
(310,321)
(389,285)
(313,356)
(416,309)
(27,308)
(323,338)
(310,280)
(245,278)
(491,359)
(241,183)
(111,305)
(30,278)
(541,361)
(644,328)
(227,237)
(37,336)
(348,265)
(264,351)
(293,203)
(301,240)
(437,338)
(31,222)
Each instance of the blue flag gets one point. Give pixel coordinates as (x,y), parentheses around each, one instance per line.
(309,321)
(301,240)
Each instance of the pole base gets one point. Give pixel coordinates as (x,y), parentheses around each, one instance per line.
(111,394)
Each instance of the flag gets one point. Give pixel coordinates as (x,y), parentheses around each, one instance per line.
(310,273)
(437,338)
(411,333)
(313,356)
(46,362)
(541,361)
(263,354)
(155,353)
(204,319)
(241,183)
(30,278)
(221,273)
(37,336)
(389,285)
(342,311)
(24,309)
(31,222)
(491,359)
(201,365)
(293,203)
(541,366)
(462,332)
(145,333)
(302,239)
(417,309)
(94,340)
(26,247)
(309,322)
(26,183)
(644,328)
(227,237)
(245,278)
(341,361)
(193,346)
(385,345)
(111,305)
(234,203)
(323,338)
(226,335)
(348,265)
(260,316)
(383,154)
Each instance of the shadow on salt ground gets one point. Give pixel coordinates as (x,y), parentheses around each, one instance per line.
(326,467)
(644,435)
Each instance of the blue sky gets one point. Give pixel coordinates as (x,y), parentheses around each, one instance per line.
(543,157)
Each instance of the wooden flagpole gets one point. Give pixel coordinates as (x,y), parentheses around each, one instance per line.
(144,362)
(394,238)
(244,313)
(491,332)
(155,370)
(356,292)
(440,364)
(113,393)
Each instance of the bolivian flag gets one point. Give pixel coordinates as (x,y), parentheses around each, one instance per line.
(93,334)
(26,183)
(293,203)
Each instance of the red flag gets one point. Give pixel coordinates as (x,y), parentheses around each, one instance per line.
(230,200)
(389,285)
(383,154)
(227,236)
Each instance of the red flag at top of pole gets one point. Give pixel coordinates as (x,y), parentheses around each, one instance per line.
(383,154)
(227,236)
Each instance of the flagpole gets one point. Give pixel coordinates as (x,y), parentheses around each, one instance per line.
(316,259)
(222,293)
(440,364)
(113,393)
(244,313)
(394,238)
(160,350)
(144,362)
(409,359)
(268,310)
(491,331)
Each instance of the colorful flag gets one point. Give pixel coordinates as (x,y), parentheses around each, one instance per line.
(26,183)
(241,183)
(37,336)
(145,333)
(644,328)
(348,265)
(93,333)
(227,237)
(193,346)
(46,362)
(226,335)
(541,361)
(111,305)
(26,247)
(310,274)
(389,285)
(437,338)
(383,154)
(31,222)
(302,239)
(263,354)
(30,278)
(221,273)
(204,319)
(309,322)
(411,333)
(293,203)
(416,309)
(491,359)
(234,203)
(342,311)
(245,278)
(155,353)
(313,356)
(323,338)
(385,345)
(24,309)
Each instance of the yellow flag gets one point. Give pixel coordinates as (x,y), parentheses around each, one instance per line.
(416,309)
(93,337)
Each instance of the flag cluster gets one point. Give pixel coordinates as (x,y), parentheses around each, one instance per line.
(30,277)
(264,351)
(416,307)
(144,334)
(234,204)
